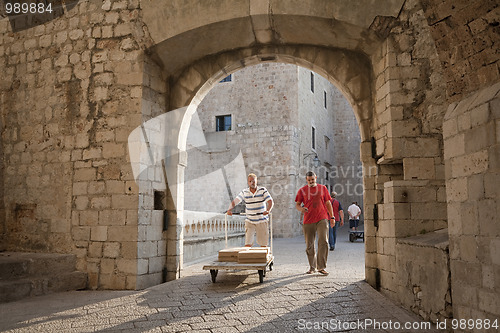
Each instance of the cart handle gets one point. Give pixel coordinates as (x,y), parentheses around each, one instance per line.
(225,226)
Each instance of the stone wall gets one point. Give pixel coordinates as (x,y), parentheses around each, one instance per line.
(466,35)
(70,96)
(471,132)
(410,103)
(347,170)
(313,114)
(422,259)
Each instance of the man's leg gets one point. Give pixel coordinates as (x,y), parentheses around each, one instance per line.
(249,233)
(332,244)
(352,225)
(310,235)
(262,231)
(322,244)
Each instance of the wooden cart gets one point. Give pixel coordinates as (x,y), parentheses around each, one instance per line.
(261,268)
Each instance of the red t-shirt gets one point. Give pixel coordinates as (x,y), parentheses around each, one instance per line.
(314,199)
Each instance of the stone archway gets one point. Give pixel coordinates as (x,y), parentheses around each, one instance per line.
(350,71)
(400,137)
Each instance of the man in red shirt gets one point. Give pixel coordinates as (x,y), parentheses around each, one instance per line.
(314,201)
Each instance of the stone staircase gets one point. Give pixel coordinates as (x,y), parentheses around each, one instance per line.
(33,274)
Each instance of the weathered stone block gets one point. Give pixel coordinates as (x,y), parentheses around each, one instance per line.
(100,202)
(112,281)
(80,233)
(127,266)
(414,271)
(107,266)
(110,150)
(457,190)
(468,165)
(85,174)
(111,250)
(122,233)
(387,262)
(99,233)
(89,218)
(403,128)
(396,211)
(147,249)
(428,211)
(386,228)
(95,249)
(129,250)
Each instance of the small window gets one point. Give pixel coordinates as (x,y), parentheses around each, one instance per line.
(312,82)
(313,138)
(324,98)
(228,78)
(223,123)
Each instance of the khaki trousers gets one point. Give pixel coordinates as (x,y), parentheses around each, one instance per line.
(260,229)
(321,228)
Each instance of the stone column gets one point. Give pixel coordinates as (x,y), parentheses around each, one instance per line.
(471,132)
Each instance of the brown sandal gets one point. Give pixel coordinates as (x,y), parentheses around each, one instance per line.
(310,271)
(323,272)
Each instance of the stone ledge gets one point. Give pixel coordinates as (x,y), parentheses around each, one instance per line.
(437,239)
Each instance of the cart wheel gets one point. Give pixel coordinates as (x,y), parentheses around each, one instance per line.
(271,266)
(261,275)
(352,237)
(214,272)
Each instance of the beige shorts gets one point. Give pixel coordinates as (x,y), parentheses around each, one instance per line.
(262,231)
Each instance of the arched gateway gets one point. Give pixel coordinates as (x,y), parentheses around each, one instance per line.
(120,81)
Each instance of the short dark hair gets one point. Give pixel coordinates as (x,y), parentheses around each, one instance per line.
(310,174)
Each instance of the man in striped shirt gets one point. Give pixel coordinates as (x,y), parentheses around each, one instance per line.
(258,205)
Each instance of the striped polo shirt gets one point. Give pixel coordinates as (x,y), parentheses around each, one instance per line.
(255,204)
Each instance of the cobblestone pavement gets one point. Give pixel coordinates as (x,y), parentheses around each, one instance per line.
(288,300)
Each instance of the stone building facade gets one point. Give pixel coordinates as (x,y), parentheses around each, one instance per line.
(273,109)
(421,76)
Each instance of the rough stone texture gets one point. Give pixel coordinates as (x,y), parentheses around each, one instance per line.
(466,34)
(472,177)
(408,186)
(432,301)
(68,104)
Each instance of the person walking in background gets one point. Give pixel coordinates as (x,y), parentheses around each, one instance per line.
(354,212)
(338,213)
(258,205)
(314,201)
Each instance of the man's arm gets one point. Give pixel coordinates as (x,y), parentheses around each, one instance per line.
(341,213)
(269,205)
(329,208)
(232,205)
(300,208)
(350,214)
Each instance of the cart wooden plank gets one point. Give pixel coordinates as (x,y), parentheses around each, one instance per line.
(227,265)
